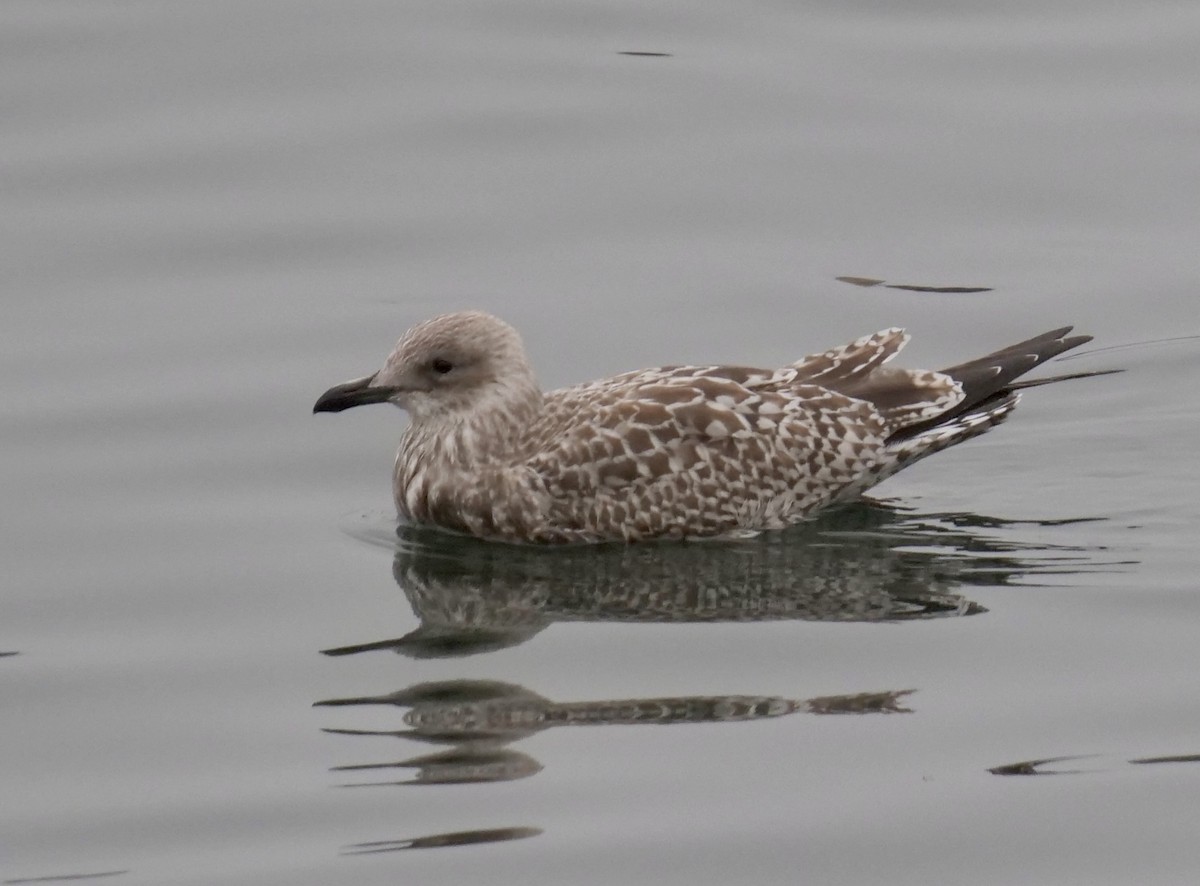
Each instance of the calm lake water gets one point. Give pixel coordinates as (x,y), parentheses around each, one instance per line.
(223,665)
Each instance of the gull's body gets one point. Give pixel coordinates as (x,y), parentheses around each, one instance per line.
(674,452)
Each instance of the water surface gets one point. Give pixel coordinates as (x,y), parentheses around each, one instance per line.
(213,212)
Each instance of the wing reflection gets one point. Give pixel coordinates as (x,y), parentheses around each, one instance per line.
(863,563)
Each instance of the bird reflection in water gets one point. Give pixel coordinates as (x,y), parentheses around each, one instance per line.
(478,718)
(864,563)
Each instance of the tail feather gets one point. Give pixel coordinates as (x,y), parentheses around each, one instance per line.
(993,375)
(978,420)
(987,393)
(902,452)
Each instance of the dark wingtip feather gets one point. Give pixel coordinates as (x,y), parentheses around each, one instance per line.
(993,375)
(986,375)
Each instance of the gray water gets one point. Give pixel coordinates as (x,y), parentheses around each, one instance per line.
(212,212)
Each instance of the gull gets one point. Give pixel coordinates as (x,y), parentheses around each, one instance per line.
(676,452)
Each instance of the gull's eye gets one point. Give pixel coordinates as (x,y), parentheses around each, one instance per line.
(441,366)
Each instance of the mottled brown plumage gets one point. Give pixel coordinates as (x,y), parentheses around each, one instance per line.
(673,452)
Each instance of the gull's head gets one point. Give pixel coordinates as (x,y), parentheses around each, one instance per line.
(447,365)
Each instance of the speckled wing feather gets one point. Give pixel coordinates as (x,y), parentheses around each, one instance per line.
(695,448)
(904,396)
(727,449)
(854,360)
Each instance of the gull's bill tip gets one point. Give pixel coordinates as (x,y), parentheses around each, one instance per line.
(358,392)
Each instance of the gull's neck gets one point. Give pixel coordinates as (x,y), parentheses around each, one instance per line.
(449,458)
(488,427)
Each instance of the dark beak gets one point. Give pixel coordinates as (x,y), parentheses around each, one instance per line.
(353,393)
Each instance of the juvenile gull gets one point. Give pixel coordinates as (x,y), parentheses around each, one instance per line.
(673,452)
